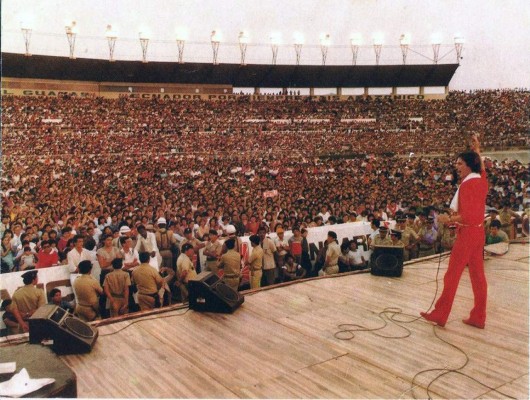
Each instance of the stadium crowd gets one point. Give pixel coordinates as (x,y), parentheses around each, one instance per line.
(78,170)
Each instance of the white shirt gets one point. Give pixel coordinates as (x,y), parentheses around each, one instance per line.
(74,258)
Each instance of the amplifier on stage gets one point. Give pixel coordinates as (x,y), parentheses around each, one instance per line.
(70,335)
(387,261)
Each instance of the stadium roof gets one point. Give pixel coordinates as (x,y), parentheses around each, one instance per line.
(251,75)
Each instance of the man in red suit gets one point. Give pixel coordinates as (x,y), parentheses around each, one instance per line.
(469,206)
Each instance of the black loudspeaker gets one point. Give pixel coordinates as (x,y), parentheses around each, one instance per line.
(70,335)
(208,293)
(387,261)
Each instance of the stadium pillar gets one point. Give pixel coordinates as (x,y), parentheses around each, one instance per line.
(311,91)
(394,91)
(446,90)
(339,91)
(365,92)
(256,90)
(422,90)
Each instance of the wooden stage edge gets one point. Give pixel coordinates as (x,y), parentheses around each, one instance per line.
(349,336)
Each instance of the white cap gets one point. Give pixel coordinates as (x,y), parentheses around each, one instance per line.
(161,220)
(230,229)
(125,229)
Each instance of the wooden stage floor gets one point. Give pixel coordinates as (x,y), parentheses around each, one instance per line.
(282,343)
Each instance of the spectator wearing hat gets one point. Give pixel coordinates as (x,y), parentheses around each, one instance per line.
(409,237)
(230,262)
(282,247)
(428,236)
(28,298)
(185,269)
(212,251)
(255,262)
(232,233)
(269,257)
(448,238)
(331,264)
(165,241)
(395,236)
(87,291)
(382,238)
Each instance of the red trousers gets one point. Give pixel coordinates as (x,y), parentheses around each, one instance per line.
(468,250)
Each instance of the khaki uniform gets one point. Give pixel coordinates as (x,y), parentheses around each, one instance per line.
(184,263)
(379,241)
(333,253)
(231,263)
(117,281)
(506,221)
(256,267)
(212,262)
(165,240)
(410,249)
(429,235)
(87,291)
(398,243)
(448,240)
(28,299)
(148,282)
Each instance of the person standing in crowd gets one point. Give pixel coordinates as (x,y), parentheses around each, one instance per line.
(185,269)
(146,241)
(77,254)
(116,287)
(469,205)
(212,251)
(87,291)
(331,265)
(381,238)
(428,236)
(165,241)
(230,262)
(305,257)
(269,253)
(395,237)
(28,298)
(255,262)
(409,237)
(47,257)
(448,239)
(148,282)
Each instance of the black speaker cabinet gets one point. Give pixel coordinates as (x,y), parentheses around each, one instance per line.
(70,335)
(208,293)
(387,261)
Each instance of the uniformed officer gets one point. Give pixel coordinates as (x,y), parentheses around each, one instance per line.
(409,237)
(395,237)
(255,262)
(448,238)
(381,239)
(428,236)
(230,262)
(87,291)
(148,282)
(185,269)
(212,251)
(116,288)
(29,298)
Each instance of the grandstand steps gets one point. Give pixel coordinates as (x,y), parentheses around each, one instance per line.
(280,343)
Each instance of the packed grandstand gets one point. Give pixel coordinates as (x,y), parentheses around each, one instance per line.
(93,165)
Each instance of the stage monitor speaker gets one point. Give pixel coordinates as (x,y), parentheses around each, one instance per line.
(70,335)
(387,261)
(208,293)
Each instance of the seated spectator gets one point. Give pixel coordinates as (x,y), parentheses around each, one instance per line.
(56,298)
(292,270)
(495,234)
